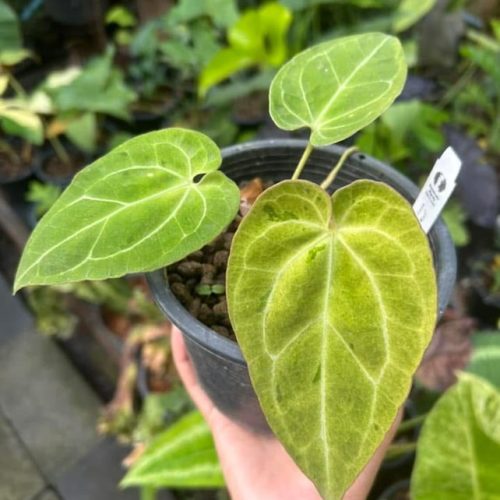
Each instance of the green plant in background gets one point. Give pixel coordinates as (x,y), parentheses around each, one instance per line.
(257,38)
(42,195)
(293,260)
(362,16)
(16,114)
(171,50)
(77,96)
(125,22)
(476,102)
(455,218)
(182,456)
(408,131)
(459,446)
(52,316)
(485,359)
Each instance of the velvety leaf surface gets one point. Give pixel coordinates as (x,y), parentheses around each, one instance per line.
(136,209)
(333,302)
(338,87)
(458,453)
(183,456)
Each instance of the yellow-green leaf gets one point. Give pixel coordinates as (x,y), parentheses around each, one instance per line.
(338,87)
(138,208)
(333,301)
(183,456)
(17,119)
(458,453)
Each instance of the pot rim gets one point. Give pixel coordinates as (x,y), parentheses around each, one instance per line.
(211,341)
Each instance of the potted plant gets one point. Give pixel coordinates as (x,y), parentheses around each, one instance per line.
(333,299)
(19,122)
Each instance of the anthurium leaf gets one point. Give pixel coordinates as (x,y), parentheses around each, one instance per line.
(183,456)
(138,208)
(333,302)
(338,87)
(459,447)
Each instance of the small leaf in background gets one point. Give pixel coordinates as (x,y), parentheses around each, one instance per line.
(82,131)
(333,301)
(317,88)
(448,352)
(21,121)
(183,456)
(160,213)
(223,13)
(477,187)
(485,360)
(406,131)
(257,38)
(455,218)
(42,195)
(10,32)
(409,12)
(99,87)
(13,57)
(120,15)
(459,447)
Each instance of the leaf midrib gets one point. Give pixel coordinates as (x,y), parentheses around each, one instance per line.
(317,123)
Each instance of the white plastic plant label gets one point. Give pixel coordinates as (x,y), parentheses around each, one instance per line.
(437,188)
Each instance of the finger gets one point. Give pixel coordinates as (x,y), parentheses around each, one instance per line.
(181,359)
(188,375)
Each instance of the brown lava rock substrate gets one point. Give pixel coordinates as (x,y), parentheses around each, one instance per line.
(200,271)
(198,281)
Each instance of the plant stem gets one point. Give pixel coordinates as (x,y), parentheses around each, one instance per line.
(16,85)
(458,86)
(305,155)
(331,176)
(411,423)
(396,450)
(60,150)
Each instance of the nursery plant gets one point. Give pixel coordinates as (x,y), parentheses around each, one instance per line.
(332,297)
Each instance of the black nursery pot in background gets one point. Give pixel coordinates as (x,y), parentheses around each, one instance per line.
(219,363)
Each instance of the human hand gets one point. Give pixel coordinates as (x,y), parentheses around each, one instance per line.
(257,467)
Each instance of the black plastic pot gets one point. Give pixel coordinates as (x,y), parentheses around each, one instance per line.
(63,178)
(219,363)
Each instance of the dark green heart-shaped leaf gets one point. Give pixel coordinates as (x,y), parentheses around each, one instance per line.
(336,88)
(333,302)
(183,456)
(458,453)
(138,208)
